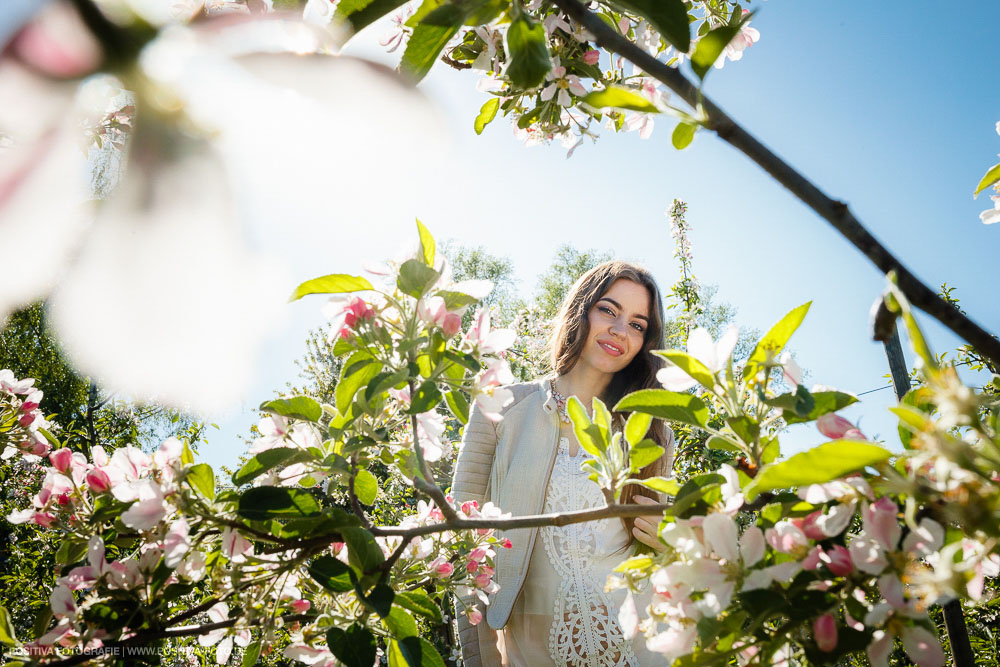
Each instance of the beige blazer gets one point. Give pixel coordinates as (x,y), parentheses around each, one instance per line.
(509,463)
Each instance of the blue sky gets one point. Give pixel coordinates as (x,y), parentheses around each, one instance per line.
(890,108)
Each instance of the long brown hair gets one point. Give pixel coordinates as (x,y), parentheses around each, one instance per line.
(572,329)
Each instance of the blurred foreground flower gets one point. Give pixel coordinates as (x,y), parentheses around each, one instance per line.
(156,290)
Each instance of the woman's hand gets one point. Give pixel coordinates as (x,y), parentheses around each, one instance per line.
(645,527)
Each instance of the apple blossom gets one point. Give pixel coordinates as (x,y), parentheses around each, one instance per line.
(834,427)
(714,355)
(825,632)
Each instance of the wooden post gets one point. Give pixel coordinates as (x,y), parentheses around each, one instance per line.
(954,620)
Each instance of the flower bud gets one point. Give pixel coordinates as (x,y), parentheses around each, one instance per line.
(98,481)
(825,632)
(62,459)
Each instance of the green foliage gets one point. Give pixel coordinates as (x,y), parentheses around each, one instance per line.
(527,45)
(568,265)
(617,97)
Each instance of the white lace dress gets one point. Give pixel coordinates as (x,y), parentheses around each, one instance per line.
(563,616)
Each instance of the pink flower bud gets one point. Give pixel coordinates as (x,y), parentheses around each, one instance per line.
(506,544)
(98,481)
(475,616)
(28,406)
(441,567)
(825,632)
(834,426)
(451,325)
(62,459)
(592,56)
(469,505)
(300,606)
(838,560)
(478,554)
(809,527)
(482,580)
(472,567)
(44,519)
(26,419)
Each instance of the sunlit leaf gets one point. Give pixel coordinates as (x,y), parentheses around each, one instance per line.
(818,465)
(486,114)
(616,97)
(335,283)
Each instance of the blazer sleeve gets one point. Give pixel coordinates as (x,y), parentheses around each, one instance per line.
(471,482)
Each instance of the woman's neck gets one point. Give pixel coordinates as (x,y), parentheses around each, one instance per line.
(584,382)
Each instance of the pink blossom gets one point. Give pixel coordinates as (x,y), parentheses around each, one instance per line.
(441,567)
(62,602)
(150,506)
(592,56)
(880,521)
(98,481)
(478,554)
(561,86)
(507,544)
(825,632)
(300,606)
(345,313)
(490,396)
(472,566)
(790,370)
(714,355)
(433,311)
(234,545)
(176,543)
(475,616)
(11,384)
(787,538)
(835,427)
(469,505)
(485,338)
(398,33)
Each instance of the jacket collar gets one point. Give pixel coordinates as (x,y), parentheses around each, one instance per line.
(550,405)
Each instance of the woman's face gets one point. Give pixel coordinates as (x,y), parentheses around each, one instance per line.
(618,323)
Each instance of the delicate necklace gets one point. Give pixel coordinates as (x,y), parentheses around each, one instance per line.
(560,403)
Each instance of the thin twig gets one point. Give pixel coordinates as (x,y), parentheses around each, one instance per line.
(833,211)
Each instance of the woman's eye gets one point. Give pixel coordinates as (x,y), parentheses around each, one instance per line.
(638,327)
(606,310)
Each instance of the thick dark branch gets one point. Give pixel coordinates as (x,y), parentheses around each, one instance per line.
(532,521)
(834,212)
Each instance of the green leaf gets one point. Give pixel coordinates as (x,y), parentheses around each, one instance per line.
(824,402)
(366,487)
(634,563)
(527,53)
(586,432)
(413,652)
(251,654)
(419,603)
(274,502)
(665,485)
(771,344)
(666,405)
(400,623)
(415,277)
(683,135)
(425,398)
(7,636)
(458,405)
(697,370)
(202,479)
(335,283)
(354,647)
(715,442)
(266,460)
(617,97)
(380,599)
(360,13)
(331,573)
(299,407)
(637,426)
(429,37)
(486,115)
(643,453)
(669,17)
(357,372)
(700,489)
(992,176)
(363,553)
(427,244)
(710,47)
(817,466)
(70,551)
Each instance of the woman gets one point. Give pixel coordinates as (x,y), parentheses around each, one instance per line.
(551,608)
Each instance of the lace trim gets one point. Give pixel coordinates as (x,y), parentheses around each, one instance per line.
(583,632)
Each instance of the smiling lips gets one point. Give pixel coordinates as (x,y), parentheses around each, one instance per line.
(613,349)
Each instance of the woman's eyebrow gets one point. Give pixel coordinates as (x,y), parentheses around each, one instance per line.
(619,307)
